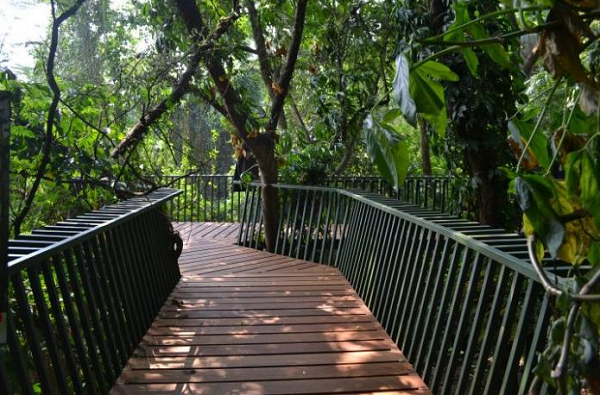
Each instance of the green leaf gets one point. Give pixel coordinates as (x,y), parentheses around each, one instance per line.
(387,151)
(438,121)
(438,70)
(521,132)
(402,93)
(594,254)
(534,194)
(471,60)
(22,131)
(495,51)
(427,93)
(430,99)
(572,168)
(391,115)
(475,31)
(590,187)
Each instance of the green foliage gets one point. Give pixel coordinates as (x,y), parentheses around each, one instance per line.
(551,122)
(386,150)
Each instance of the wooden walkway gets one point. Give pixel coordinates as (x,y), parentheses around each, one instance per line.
(243,321)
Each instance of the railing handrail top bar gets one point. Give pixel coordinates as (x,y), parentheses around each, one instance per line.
(191,175)
(51,250)
(382,178)
(501,257)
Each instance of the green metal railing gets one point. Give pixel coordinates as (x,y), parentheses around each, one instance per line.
(204,198)
(435,192)
(457,297)
(83,293)
(213,198)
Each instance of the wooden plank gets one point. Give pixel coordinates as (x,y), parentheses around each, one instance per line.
(268,338)
(242,361)
(182,331)
(220,321)
(265,349)
(259,374)
(297,387)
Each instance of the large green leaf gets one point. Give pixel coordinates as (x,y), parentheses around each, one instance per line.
(438,70)
(402,93)
(387,151)
(535,194)
(428,93)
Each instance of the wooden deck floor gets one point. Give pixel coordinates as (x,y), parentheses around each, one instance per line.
(243,321)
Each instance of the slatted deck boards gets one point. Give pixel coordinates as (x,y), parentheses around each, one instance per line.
(243,321)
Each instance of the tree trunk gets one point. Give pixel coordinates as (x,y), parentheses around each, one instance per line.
(263,148)
(491,188)
(425,156)
(348,156)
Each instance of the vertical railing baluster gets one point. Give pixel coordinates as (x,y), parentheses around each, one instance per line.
(109,295)
(310,222)
(498,365)
(17,357)
(440,266)
(323,197)
(33,340)
(331,197)
(509,382)
(294,222)
(536,343)
(451,316)
(407,291)
(60,325)
(386,264)
(442,312)
(483,351)
(281,225)
(74,321)
(301,228)
(90,329)
(98,304)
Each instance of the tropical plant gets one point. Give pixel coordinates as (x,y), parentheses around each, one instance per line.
(553,134)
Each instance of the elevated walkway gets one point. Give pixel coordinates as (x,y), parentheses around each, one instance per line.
(243,321)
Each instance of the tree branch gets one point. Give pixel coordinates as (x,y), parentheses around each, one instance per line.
(47,148)
(177,92)
(290,64)
(261,48)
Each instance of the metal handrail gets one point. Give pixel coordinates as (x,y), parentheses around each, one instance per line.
(491,252)
(148,202)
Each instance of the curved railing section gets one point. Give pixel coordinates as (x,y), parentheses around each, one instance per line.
(219,198)
(434,192)
(457,297)
(82,294)
(204,197)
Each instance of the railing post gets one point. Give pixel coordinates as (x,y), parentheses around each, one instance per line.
(4,200)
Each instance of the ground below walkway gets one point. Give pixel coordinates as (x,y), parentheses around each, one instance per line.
(243,321)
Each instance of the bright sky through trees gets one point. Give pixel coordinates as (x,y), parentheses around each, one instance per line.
(21,22)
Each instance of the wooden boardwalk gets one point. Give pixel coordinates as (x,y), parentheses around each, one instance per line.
(243,321)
